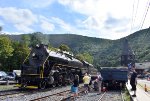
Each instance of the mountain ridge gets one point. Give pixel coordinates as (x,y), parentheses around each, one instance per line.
(106,52)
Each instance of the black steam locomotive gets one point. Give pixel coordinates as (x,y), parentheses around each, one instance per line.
(44,68)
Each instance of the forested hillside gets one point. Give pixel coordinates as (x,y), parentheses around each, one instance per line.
(105,52)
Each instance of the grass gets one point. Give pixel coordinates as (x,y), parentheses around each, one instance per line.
(6,87)
(126,95)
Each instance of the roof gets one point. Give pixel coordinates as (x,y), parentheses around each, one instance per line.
(115,67)
(144,65)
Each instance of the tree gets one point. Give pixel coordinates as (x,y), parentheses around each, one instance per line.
(0,29)
(50,47)
(25,39)
(64,47)
(5,47)
(85,56)
(38,38)
(20,52)
(6,50)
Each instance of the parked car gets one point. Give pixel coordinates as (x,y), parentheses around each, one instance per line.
(147,75)
(3,75)
(11,76)
(142,76)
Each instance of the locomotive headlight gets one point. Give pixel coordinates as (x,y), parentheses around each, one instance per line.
(33,54)
(37,46)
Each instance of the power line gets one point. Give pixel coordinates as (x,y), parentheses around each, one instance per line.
(134,11)
(143,20)
(144,15)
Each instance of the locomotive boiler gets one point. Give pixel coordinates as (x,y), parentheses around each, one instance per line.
(44,68)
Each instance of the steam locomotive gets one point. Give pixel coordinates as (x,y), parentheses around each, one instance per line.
(44,68)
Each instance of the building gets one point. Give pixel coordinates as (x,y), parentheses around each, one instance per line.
(142,68)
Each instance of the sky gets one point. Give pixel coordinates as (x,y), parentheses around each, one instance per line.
(109,19)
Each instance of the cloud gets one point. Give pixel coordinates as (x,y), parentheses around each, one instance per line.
(46,26)
(110,19)
(12,33)
(111,28)
(92,22)
(61,23)
(38,3)
(63,27)
(95,18)
(23,28)
(90,27)
(55,25)
(101,16)
(22,19)
(99,7)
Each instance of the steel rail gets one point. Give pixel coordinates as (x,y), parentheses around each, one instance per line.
(59,94)
(101,97)
(71,96)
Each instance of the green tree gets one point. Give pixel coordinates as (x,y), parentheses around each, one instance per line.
(50,47)
(85,56)
(25,39)
(38,38)
(5,47)
(20,53)
(64,47)
(6,51)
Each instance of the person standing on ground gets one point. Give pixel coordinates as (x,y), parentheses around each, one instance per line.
(99,80)
(133,81)
(90,83)
(86,81)
(75,86)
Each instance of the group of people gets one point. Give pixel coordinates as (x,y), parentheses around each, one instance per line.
(97,83)
(88,82)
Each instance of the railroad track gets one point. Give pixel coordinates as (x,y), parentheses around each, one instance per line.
(48,96)
(71,97)
(18,92)
(100,99)
(14,93)
(34,95)
(9,92)
(111,96)
(62,96)
(92,96)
